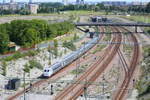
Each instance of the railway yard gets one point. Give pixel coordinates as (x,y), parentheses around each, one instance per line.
(107,70)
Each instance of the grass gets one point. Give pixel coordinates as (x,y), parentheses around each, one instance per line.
(83,12)
(40,14)
(77,12)
(70,36)
(32,64)
(79,70)
(138,18)
(99,48)
(128,49)
(107,37)
(142,85)
(18,55)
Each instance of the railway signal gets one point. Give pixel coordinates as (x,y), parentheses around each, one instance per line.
(52,90)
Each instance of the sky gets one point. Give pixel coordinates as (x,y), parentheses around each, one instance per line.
(75,0)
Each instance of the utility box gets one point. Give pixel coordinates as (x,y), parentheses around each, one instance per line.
(14,84)
(91,34)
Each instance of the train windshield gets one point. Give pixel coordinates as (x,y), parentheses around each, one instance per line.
(46,70)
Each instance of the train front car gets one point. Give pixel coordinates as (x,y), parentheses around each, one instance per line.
(47,72)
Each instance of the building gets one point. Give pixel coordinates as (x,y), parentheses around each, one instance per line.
(13,47)
(13,6)
(33,8)
(22,5)
(12,1)
(82,2)
(4,7)
(4,1)
(30,1)
(65,2)
(8,6)
(139,3)
(79,2)
(114,3)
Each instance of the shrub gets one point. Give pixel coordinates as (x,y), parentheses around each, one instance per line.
(69,45)
(26,68)
(33,63)
(4,66)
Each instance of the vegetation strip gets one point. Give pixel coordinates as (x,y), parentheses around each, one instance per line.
(27,33)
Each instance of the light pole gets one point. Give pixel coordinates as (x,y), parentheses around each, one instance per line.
(77,65)
(24,85)
(103,85)
(85,89)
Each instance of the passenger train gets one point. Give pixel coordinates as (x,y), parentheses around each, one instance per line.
(49,71)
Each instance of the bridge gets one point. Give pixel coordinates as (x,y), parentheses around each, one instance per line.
(115,24)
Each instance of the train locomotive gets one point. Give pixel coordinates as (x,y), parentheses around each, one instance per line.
(49,71)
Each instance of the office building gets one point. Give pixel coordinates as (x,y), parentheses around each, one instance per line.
(33,8)
(65,2)
(4,1)
(79,1)
(30,1)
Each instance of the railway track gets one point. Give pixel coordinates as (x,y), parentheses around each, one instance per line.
(135,59)
(123,61)
(73,91)
(38,83)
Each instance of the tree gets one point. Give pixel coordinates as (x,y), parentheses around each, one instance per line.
(69,45)
(4,41)
(55,43)
(148,8)
(31,36)
(26,68)
(30,32)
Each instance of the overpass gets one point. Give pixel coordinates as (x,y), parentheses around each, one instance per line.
(115,24)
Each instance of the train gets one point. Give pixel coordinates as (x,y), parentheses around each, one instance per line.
(49,71)
(98,19)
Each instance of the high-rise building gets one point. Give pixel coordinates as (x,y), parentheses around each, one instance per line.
(65,2)
(12,1)
(30,1)
(4,1)
(33,8)
(114,3)
(79,1)
(82,2)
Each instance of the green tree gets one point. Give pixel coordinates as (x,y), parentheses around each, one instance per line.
(148,8)
(31,36)
(4,41)
(55,43)
(29,32)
